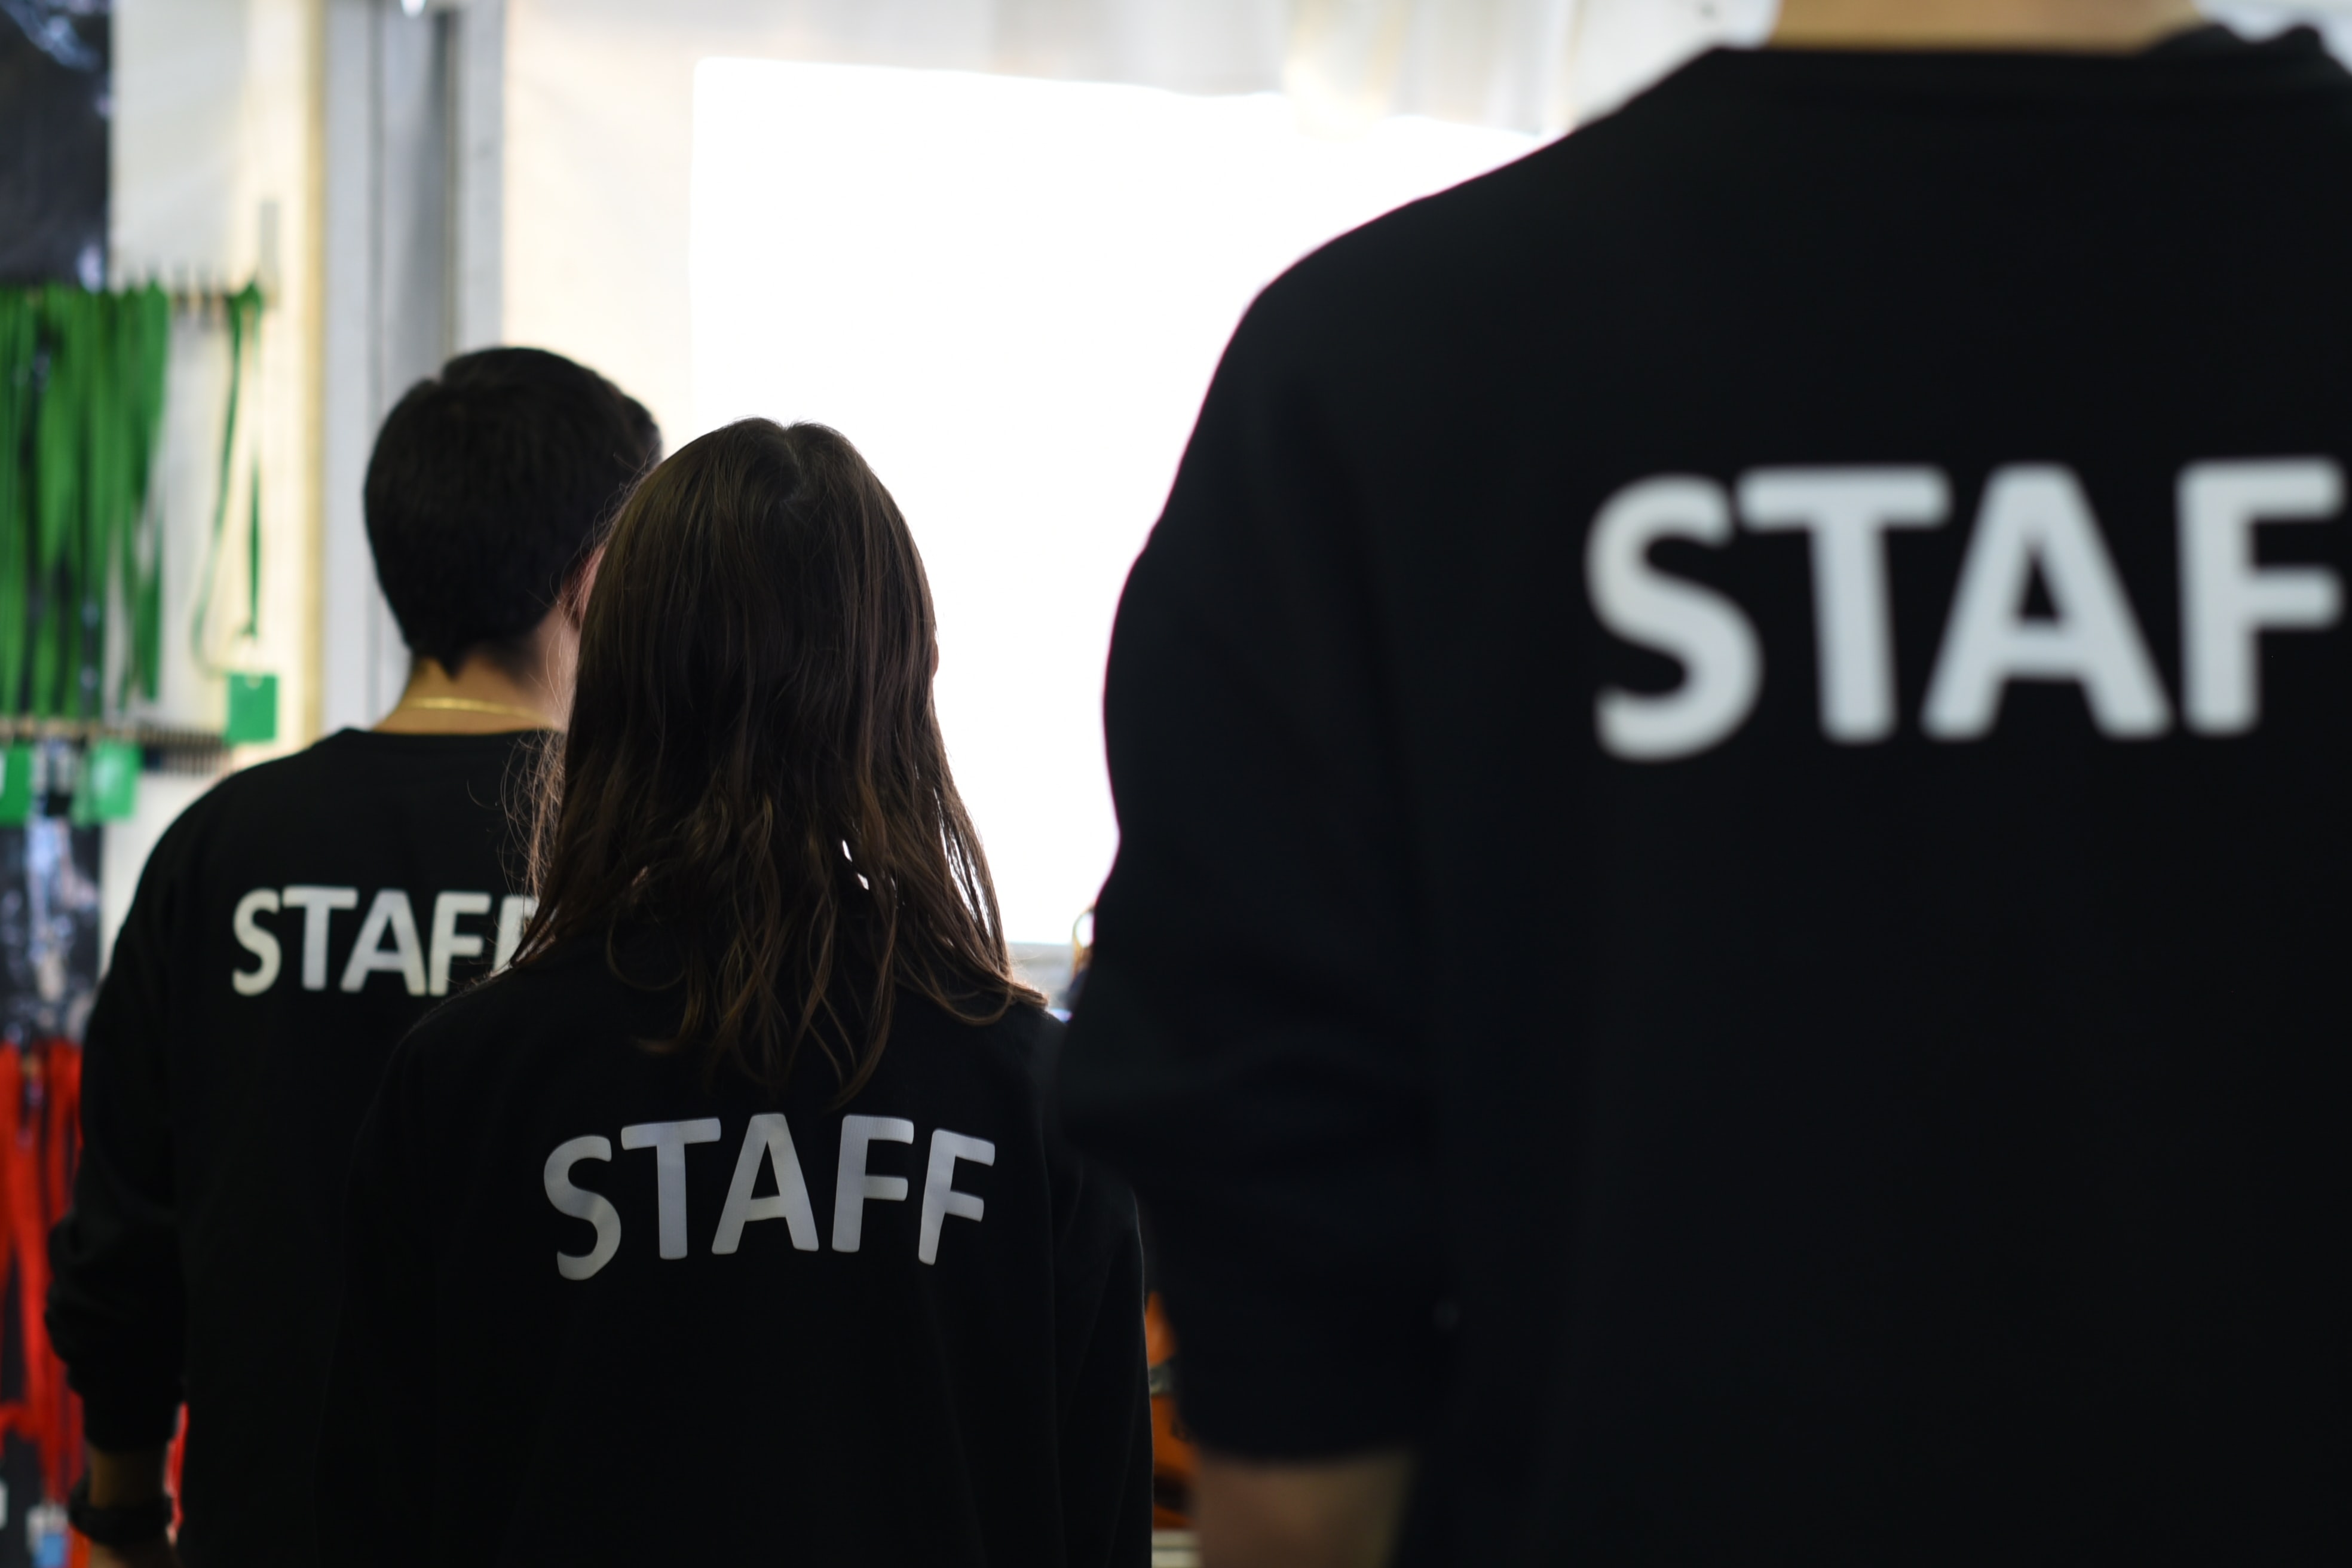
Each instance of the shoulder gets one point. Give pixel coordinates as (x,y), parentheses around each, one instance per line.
(249,790)
(295,774)
(344,760)
(253,796)
(1024,1043)
(561,994)
(363,761)
(1032,1037)
(1483,243)
(329,792)
(1472,265)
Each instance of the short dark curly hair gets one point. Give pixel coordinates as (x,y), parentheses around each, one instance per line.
(490,485)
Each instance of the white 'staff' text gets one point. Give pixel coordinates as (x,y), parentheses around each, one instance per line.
(2035,524)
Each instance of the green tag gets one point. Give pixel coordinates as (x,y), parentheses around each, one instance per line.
(252,707)
(16,786)
(109,781)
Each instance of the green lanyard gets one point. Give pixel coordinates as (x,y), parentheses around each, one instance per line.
(20,326)
(143,351)
(58,474)
(244,328)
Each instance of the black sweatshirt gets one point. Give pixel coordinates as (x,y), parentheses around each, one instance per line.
(611,1306)
(1737,843)
(288,929)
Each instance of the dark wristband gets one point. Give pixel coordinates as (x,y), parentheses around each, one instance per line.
(131,1524)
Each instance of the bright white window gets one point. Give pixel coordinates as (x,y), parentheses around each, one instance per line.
(1011,294)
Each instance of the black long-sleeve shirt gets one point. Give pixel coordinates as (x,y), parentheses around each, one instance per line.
(1735,768)
(611,1306)
(287,930)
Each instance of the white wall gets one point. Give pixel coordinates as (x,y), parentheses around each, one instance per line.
(213,181)
(600,109)
(2332,17)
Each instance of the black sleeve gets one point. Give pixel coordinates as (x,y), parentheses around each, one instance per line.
(1105,1436)
(118,1304)
(1248,1052)
(374,1484)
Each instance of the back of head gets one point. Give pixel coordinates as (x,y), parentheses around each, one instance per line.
(488,489)
(753,765)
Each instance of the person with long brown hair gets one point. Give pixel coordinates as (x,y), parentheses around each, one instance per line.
(766,981)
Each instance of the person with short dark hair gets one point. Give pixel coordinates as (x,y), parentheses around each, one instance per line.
(287,931)
(727,1226)
(482,497)
(1728,934)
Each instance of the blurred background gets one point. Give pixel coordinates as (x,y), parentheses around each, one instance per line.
(999,243)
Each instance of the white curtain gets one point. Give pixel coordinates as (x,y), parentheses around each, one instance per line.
(600,105)
(1527,65)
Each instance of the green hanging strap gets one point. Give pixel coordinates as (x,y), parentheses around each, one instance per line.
(58,439)
(253,555)
(19,343)
(105,481)
(244,326)
(81,400)
(145,347)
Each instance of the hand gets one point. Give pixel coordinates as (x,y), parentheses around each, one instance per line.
(1331,1513)
(126,1479)
(157,1554)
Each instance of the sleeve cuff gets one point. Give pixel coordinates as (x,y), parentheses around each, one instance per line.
(124,1421)
(1281,1367)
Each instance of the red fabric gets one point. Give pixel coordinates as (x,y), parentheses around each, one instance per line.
(40,1144)
(20,1221)
(179,1458)
(61,1150)
(40,1125)
(15,1415)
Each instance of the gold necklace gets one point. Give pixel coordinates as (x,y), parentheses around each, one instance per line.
(468,705)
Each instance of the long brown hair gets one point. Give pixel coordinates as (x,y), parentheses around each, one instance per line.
(754,768)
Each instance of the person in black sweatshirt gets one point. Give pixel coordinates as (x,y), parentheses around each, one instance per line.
(287,930)
(727,1226)
(1732,758)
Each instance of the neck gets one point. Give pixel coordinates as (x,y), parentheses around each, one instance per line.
(2081,26)
(481,699)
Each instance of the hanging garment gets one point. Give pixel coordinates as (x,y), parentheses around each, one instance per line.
(81,405)
(61,1452)
(40,1088)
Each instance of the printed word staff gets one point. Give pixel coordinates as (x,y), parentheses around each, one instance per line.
(388,942)
(2035,526)
(767,1142)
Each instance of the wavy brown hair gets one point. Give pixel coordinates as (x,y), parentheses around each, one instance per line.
(753,767)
